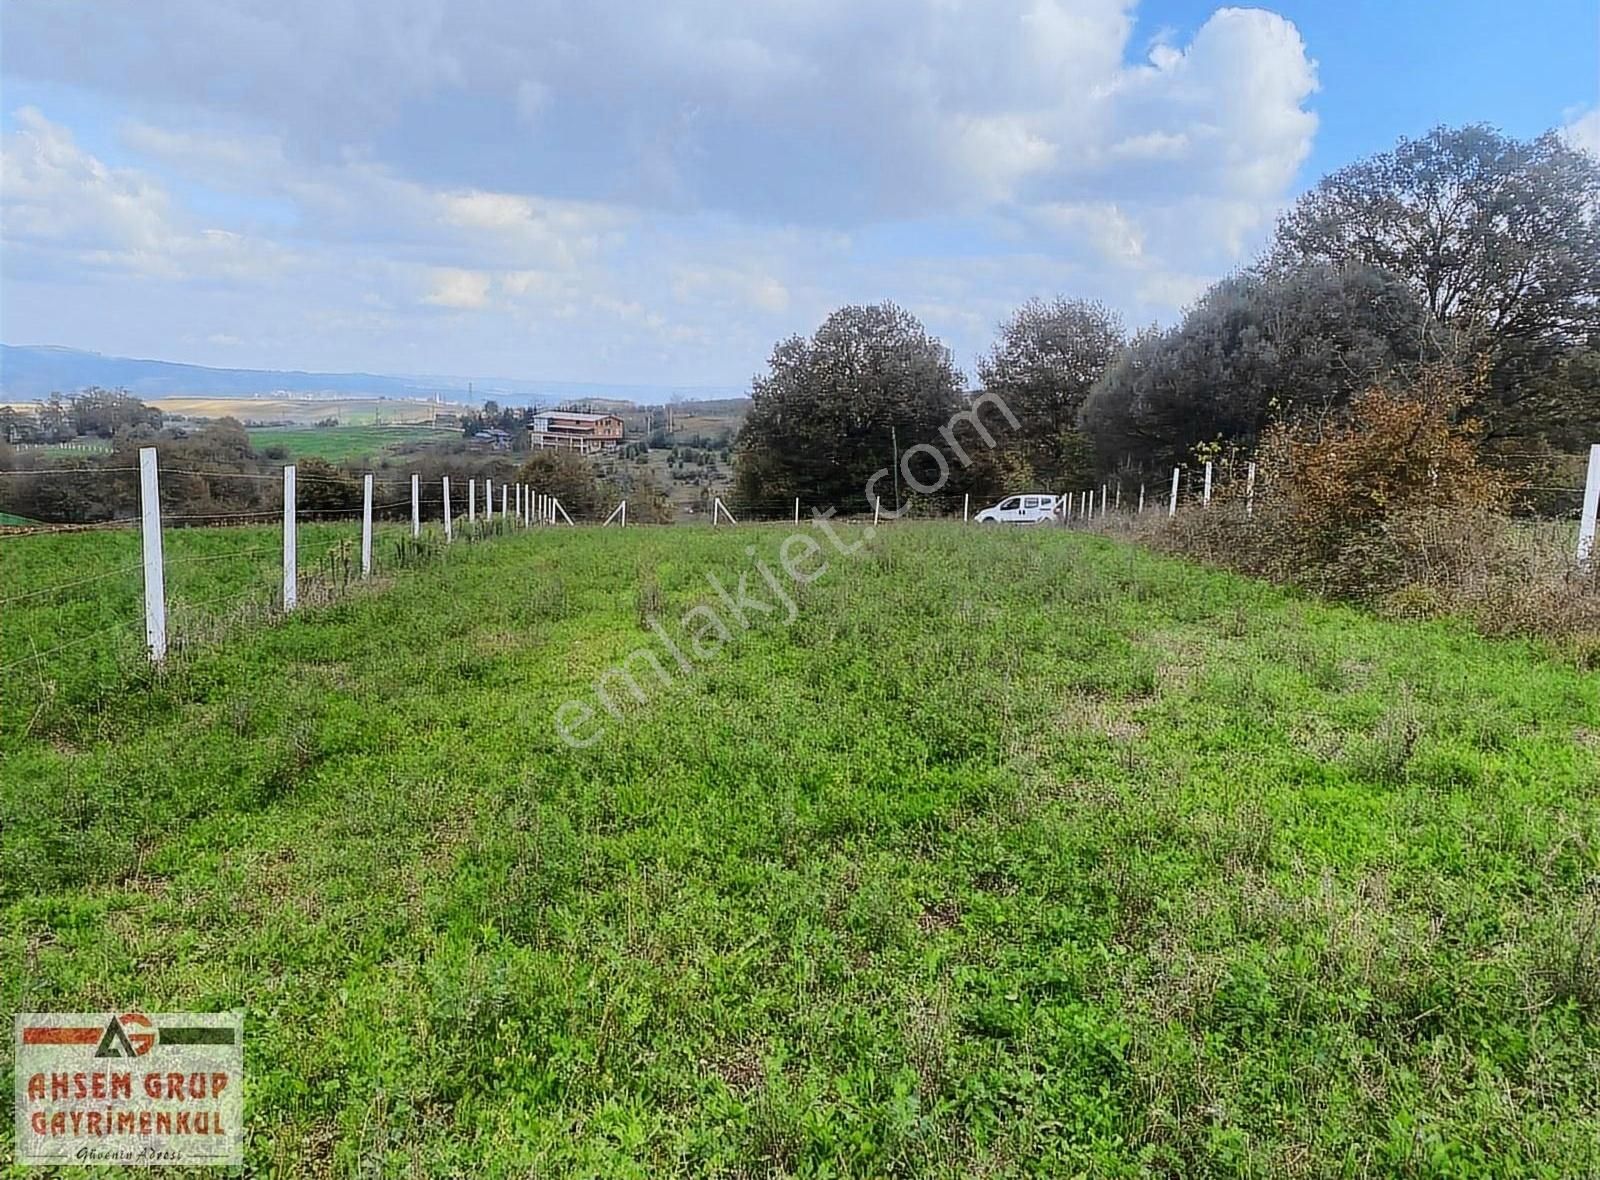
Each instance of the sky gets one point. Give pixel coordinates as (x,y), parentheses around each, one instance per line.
(656,192)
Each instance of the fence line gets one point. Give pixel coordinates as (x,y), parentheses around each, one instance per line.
(522,506)
(153,522)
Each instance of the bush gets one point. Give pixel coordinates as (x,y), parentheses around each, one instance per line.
(1392,503)
(1327,486)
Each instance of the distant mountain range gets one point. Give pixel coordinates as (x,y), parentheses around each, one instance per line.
(30,372)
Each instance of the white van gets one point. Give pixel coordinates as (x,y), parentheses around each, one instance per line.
(1031,509)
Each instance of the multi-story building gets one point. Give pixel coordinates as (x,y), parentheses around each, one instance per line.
(584,433)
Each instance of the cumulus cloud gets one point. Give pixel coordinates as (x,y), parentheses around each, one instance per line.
(465,290)
(62,205)
(1582,131)
(676,183)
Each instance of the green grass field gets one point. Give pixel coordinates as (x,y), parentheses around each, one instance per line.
(1015,853)
(340,443)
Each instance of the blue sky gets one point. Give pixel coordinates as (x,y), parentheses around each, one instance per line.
(655,193)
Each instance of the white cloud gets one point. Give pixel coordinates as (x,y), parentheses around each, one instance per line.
(465,290)
(61,201)
(662,190)
(1582,130)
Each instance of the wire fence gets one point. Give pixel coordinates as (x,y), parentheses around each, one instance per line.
(75,613)
(170,575)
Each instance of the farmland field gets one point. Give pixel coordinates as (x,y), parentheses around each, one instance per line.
(340,443)
(1013,853)
(350,411)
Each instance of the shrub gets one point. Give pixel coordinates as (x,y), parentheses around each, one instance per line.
(1393,502)
(1331,483)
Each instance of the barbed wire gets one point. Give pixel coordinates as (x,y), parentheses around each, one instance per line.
(92,470)
(99,633)
(121,570)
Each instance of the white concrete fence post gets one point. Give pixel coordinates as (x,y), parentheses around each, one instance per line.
(472,501)
(1205,497)
(1250,489)
(1591,508)
(966,506)
(1172,506)
(1103,489)
(155,581)
(416,506)
(366,526)
(797,510)
(1141,499)
(291,548)
(449,534)
(505,498)
(488,499)
(877,503)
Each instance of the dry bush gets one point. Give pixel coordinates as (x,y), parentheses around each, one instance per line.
(1391,503)
(1330,485)
(1511,577)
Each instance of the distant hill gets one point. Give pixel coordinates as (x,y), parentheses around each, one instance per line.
(28,372)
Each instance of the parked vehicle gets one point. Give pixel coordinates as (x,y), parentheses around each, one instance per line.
(1027,509)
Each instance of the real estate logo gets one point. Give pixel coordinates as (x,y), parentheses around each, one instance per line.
(130,1088)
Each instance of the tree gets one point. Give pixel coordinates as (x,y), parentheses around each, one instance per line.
(55,420)
(826,415)
(322,487)
(1255,348)
(1047,359)
(568,477)
(103,412)
(1499,238)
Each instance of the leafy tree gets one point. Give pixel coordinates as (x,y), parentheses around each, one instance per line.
(1499,238)
(823,418)
(568,477)
(103,412)
(1047,359)
(322,487)
(14,427)
(55,420)
(1256,347)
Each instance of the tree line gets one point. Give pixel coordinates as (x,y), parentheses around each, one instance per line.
(213,473)
(1465,249)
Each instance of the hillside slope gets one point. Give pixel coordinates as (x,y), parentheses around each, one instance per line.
(35,371)
(1012,853)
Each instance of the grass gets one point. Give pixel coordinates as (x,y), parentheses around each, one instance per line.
(73,603)
(340,443)
(1017,852)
